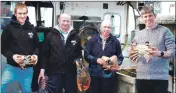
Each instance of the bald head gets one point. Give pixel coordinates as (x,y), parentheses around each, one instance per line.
(65,22)
(65,15)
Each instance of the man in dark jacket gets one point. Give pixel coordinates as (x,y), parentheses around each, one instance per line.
(61,47)
(103,81)
(19,39)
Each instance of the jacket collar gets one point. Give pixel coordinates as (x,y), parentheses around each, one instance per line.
(57,30)
(110,38)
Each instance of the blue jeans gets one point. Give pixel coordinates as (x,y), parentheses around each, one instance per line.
(24,77)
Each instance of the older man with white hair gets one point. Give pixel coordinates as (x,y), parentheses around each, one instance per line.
(98,51)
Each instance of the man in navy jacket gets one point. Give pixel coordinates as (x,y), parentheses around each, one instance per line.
(104,44)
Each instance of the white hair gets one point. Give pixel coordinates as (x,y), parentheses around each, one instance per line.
(105,22)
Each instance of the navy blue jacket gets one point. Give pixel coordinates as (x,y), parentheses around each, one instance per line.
(93,51)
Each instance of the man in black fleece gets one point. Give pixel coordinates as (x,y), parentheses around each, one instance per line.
(19,39)
(61,47)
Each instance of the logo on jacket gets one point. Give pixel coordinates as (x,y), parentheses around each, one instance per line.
(73,42)
(30,34)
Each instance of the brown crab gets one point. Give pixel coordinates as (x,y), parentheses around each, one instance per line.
(139,50)
(111,63)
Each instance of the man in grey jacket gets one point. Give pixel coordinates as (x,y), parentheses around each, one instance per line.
(153,70)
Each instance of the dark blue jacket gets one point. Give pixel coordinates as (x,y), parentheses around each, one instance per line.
(93,51)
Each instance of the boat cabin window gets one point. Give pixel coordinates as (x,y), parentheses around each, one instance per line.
(46,16)
(32,15)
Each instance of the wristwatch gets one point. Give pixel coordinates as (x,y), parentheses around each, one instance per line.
(162,54)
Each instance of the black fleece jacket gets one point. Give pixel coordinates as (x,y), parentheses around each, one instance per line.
(57,57)
(18,39)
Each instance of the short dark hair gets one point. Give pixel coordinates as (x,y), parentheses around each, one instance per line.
(147,9)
